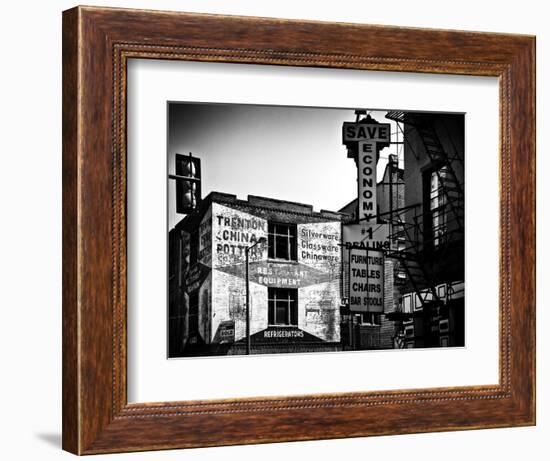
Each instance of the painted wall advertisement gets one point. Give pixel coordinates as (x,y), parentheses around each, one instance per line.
(315,275)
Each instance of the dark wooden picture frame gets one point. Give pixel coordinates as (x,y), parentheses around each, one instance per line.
(97,43)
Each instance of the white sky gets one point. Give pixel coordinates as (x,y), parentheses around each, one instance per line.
(287,153)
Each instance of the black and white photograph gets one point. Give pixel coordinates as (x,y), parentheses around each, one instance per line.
(310,229)
(275,230)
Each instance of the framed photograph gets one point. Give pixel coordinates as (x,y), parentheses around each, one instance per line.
(280,230)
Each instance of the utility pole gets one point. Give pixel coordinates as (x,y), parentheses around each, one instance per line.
(260,241)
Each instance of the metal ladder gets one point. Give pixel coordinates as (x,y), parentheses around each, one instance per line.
(410,258)
(451,187)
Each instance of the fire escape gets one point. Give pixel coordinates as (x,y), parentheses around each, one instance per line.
(424,232)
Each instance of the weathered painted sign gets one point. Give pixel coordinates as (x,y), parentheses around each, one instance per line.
(225,332)
(286,275)
(234,231)
(283,335)
(318,245)
(315,274)
(318,255)
(274,274)
(205,239)
(195,277)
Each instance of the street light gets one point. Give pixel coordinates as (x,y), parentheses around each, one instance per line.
(260,241)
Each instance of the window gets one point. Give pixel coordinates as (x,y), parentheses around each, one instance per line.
(438,205)
(282,306)
(282,242)
(370,318)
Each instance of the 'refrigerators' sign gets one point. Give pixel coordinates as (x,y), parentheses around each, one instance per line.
(364,246)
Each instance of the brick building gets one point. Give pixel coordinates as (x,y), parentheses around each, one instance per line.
(430,231)
(294,278)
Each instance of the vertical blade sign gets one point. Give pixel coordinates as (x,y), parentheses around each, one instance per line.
(364,141)
(366,165)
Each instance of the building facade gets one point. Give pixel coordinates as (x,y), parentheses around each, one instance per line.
(294,273)
(430,231)
(375,330)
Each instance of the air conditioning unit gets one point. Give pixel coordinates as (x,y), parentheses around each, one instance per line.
(417,302)
(456,290)
(427,296)
(442,291)
(407,304)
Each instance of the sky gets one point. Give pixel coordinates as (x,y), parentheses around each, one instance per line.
(287,153)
